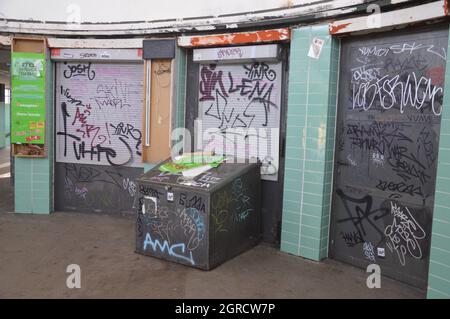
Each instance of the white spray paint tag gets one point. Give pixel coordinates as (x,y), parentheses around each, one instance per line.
(316,48)
(154,200)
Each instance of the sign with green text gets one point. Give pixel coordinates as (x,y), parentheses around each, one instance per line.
(28,111)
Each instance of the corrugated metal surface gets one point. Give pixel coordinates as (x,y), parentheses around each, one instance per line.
(99,113)
(98,135)
(239,104)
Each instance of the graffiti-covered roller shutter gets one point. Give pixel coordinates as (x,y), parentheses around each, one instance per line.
(98,135)
(99,113)
(239,105)
(389,112)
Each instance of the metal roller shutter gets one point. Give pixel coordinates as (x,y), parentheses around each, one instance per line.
(99,113)
(238,102)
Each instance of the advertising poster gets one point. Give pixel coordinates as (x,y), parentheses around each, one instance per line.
(28,112)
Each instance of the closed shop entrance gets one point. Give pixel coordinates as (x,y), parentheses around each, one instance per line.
(237,93)
(391,89)
(98,129)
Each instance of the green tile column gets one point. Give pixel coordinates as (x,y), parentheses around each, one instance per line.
(309,144)
(8,123)
(2,116)
(33,188)
(2,125)
(439,271)
(180,86)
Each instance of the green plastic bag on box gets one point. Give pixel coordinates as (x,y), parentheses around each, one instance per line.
(185,162)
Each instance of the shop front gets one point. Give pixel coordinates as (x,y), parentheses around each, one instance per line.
(235,105)
(366,174)
(98,128)
(391,89)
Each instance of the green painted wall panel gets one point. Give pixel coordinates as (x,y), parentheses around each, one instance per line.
(309,142)
(439,271)
(33,193)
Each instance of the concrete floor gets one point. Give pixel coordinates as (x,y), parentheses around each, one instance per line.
(35,251)
(6,190)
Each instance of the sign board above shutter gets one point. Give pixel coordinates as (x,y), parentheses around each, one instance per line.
(97,54)
(268,52)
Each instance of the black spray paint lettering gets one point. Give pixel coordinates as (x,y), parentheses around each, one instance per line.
(70,99)
(195,201)
(127,131)
(405,63)
(361,215)
(259,71)
(408,167)
(95,152)
(400,187)
(426,147)
(148,191)
(258,92)
(80,69)
(352,238)
(392,144)
(378,136)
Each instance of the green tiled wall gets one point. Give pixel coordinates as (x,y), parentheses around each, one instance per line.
(309,159)
(439,271)
(2,125)
(33,176)
(180,79)
(7,124)
(309,144)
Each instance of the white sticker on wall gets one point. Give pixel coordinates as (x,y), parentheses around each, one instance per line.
(315,48)
(380,251)
(169,197)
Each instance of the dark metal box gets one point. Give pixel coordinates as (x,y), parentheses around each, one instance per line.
(200,222)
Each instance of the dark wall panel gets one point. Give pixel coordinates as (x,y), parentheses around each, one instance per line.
(390,99)
(95,188)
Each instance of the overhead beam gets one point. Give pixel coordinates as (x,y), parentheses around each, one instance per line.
(382,20)
(235,38)
(95,43)
(308,12)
